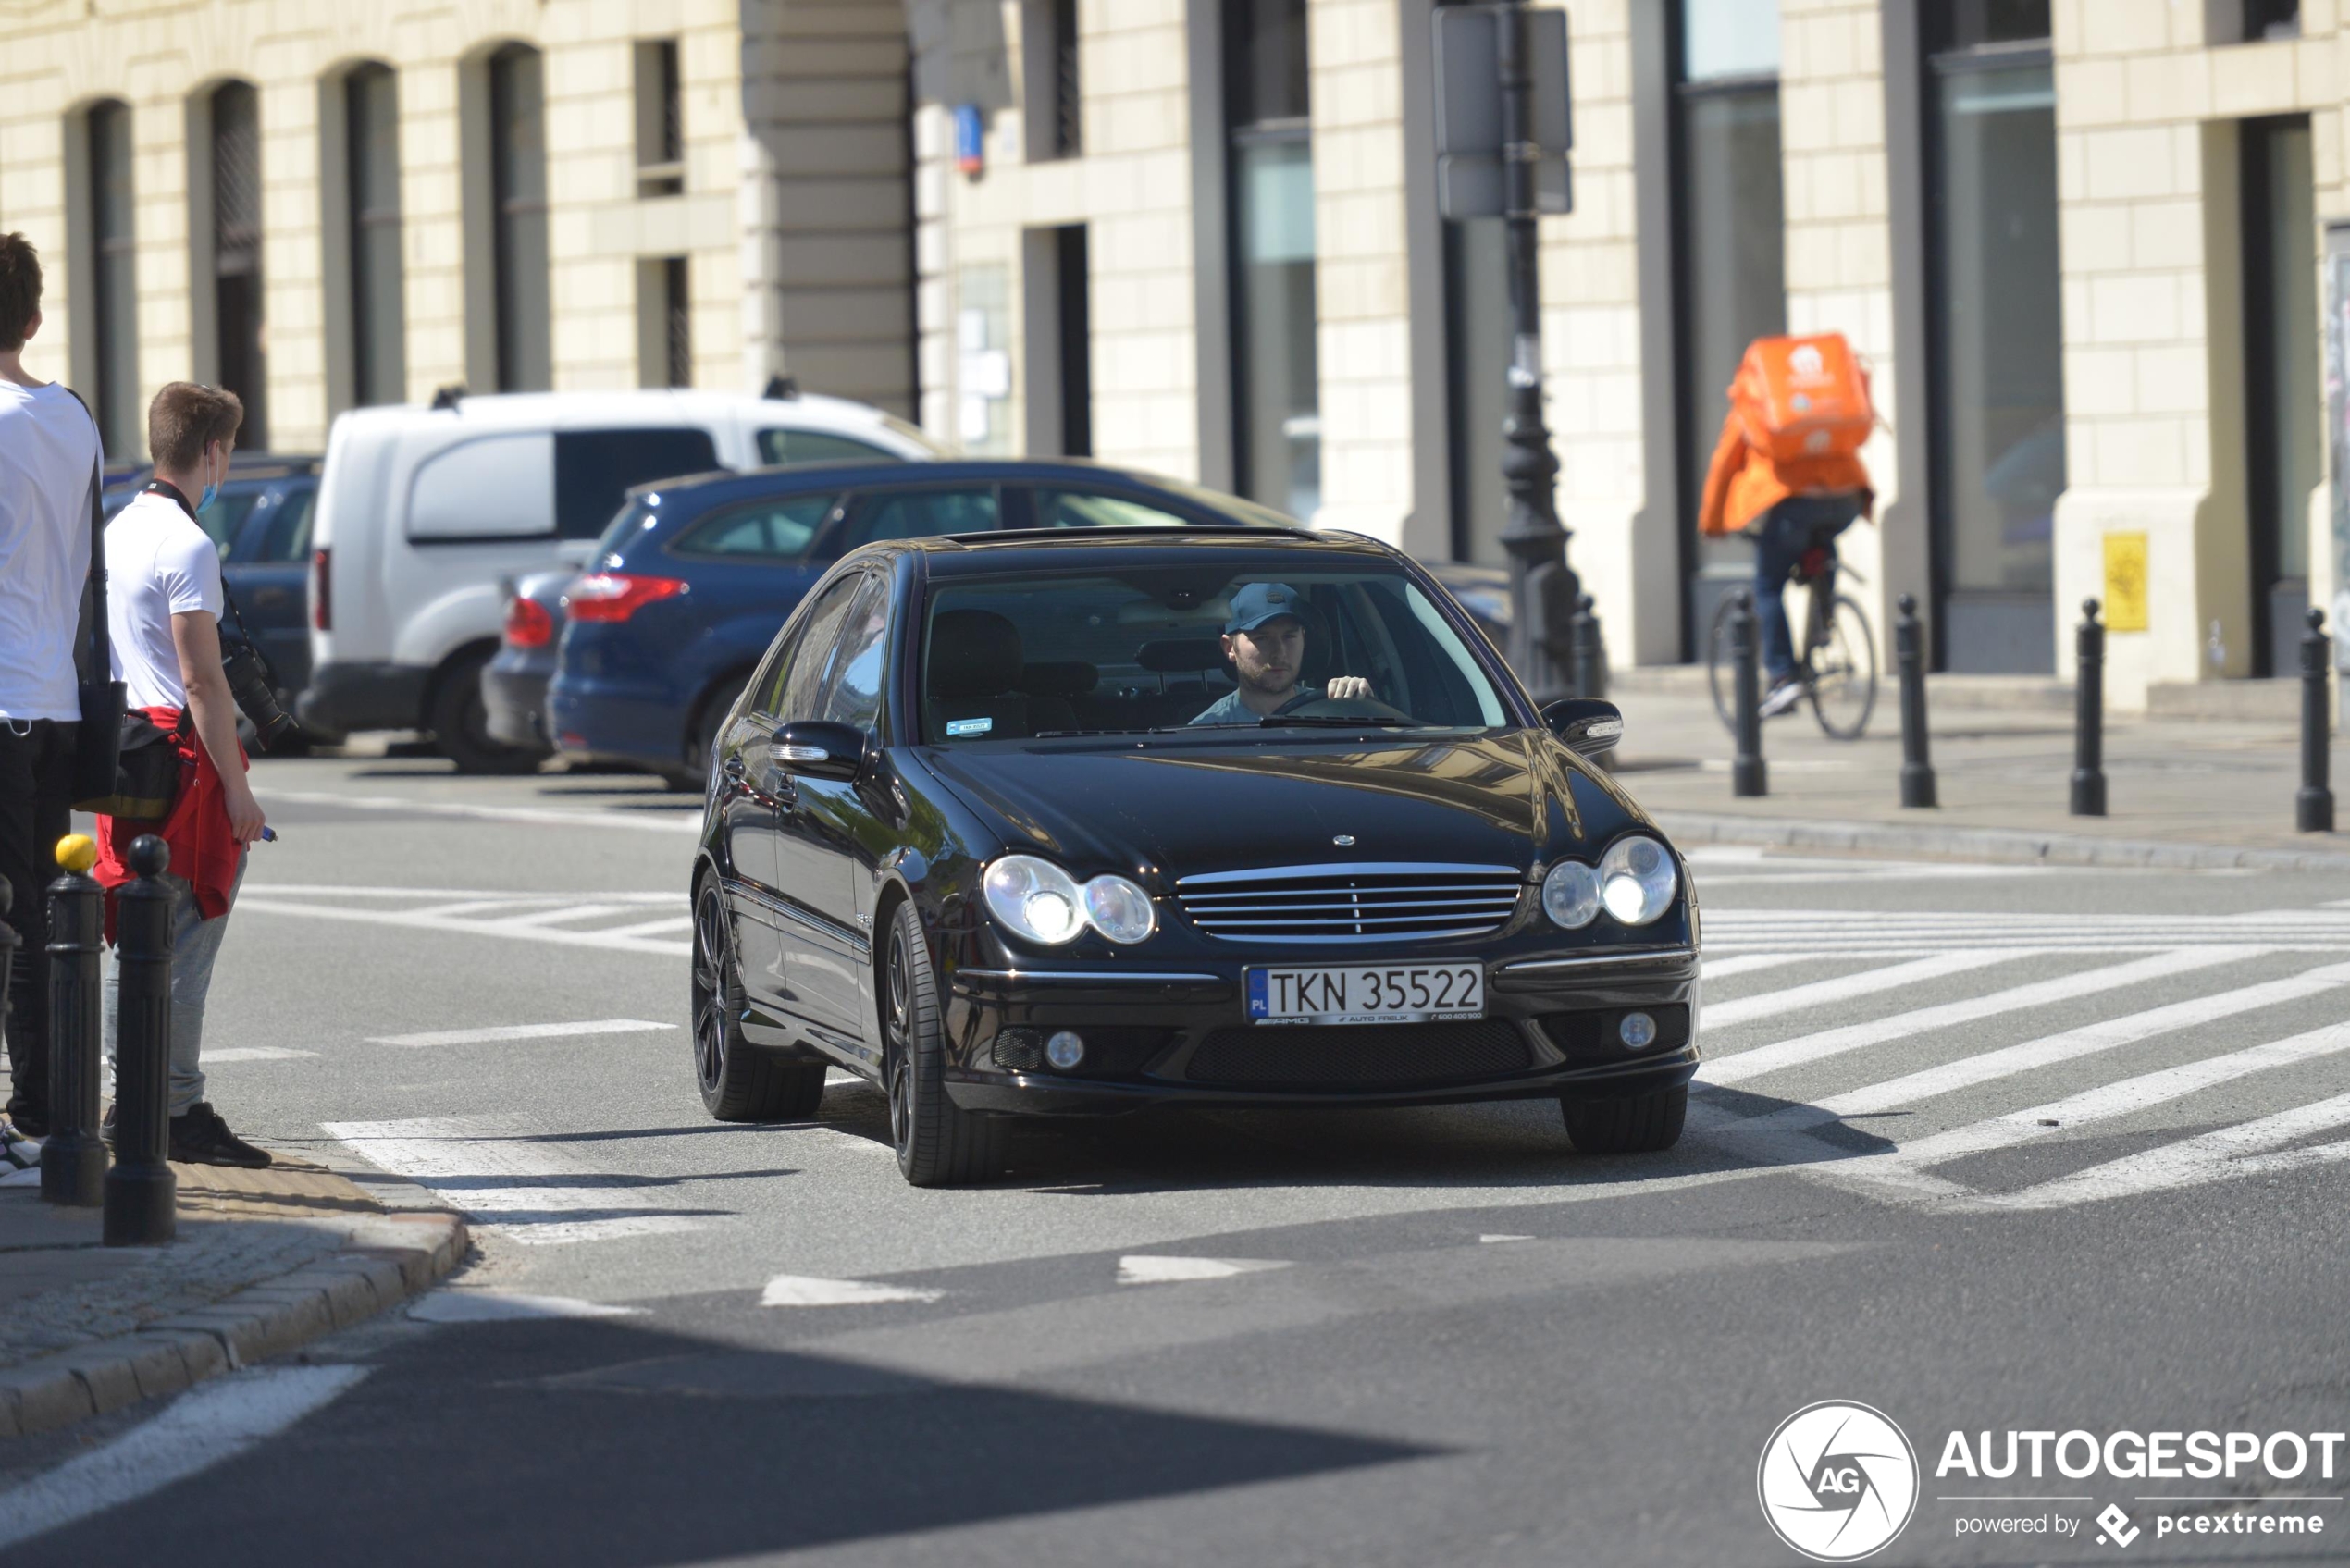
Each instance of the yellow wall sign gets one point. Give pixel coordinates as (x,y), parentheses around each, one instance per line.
(2125,582)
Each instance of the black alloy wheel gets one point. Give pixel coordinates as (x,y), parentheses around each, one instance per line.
(738,1082)
(1626,1124)
(938,1143)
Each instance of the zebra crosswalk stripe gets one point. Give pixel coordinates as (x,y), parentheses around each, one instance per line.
(1902,1026)
(1867,982)
(2227,1153)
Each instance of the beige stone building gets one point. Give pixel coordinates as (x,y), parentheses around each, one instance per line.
(2091,248)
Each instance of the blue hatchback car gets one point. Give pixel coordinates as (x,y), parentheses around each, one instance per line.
(693,577)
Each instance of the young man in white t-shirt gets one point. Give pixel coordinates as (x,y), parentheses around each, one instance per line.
(48,462)
(164,604)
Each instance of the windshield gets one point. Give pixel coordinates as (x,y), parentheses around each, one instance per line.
(1149,649)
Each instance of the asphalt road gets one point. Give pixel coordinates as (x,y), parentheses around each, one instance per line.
(1395,1337)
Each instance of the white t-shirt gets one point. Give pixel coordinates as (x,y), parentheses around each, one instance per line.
(158,565)
(48,450)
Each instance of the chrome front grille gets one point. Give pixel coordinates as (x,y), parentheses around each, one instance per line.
(1381,902)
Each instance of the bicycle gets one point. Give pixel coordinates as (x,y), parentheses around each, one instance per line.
(1836,661)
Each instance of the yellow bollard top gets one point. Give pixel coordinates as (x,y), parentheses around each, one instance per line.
(77,852)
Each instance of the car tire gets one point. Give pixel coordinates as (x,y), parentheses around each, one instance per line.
(938,1143)
(1626,1124)
(738,1082)
(459,722)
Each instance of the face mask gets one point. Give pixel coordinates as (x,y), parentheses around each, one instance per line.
(211,494)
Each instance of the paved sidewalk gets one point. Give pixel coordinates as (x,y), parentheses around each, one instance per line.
(2198,791)
(266,1261)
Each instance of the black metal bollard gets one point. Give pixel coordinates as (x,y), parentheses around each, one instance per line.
(1590,653)
(1909,654)
(2088,730)
(2313,808)
(141,1193)
(9,941)
(74,1160)
(1749,775)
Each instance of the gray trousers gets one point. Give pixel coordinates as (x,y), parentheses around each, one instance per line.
(195,943)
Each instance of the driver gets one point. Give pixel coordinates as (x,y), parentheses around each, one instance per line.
(1266,641)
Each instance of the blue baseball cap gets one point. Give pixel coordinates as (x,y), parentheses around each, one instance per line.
(1260,602)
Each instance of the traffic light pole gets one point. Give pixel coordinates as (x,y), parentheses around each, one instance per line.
(1543,587)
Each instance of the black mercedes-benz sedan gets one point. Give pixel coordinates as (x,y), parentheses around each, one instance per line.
(1081,820)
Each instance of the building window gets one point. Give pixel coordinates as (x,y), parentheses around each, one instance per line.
(518,197)
(1275,385)
(2250,21)
(1729,245)
(1052,105)
(664,323)
(236,254)
(661,121)
(1067,123)
(371,117)
(113,281)
(2283,434)
(1996,353)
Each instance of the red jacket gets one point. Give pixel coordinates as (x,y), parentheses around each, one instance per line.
(203,848)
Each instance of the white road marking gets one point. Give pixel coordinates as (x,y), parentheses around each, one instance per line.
(569,912)
(2216,1156)
(1140,1268)
(211,1423)
(426,921)
(807,1291)
(493,895)
(1903,1169)
(529,1192)
(1901,1026)
(2106,1034)
(1868,982)
(640,821)
(661,927)
(253,1054)
(448,1305)
(1830,933)
(1487,1240)
(517,1031)
(1747,963)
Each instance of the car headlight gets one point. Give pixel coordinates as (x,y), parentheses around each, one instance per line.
(1038,900)
(1571,894)
(1636,880)
(1119,909)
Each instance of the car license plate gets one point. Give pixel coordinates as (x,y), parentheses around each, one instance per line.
(1366,993)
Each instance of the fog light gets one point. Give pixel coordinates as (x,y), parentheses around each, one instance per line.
(1016,1050)
(1636,1030)
(1065,1050)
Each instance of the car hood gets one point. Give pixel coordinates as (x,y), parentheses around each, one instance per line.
(1505,798)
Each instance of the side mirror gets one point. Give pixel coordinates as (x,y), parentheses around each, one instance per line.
(814,749)
(1587,726)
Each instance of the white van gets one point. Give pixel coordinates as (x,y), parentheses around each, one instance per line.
(423,512)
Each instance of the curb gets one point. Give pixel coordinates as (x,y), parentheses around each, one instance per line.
(388,1259)
(1991,844)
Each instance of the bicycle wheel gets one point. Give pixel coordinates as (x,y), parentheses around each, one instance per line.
(1720,673)
(1841,677)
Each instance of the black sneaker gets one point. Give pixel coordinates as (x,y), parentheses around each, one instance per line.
(29,1119)
(200,1137)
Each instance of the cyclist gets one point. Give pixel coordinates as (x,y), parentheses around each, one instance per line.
(1776,478)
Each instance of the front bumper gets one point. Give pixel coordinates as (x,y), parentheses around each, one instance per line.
(1182,1037)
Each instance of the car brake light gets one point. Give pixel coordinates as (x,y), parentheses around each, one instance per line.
(527,622)
(322,602)
(615,596)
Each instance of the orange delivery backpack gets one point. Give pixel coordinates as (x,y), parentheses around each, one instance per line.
(1799,398)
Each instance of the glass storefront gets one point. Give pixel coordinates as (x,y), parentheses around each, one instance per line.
(1996,365)
(1730,224)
